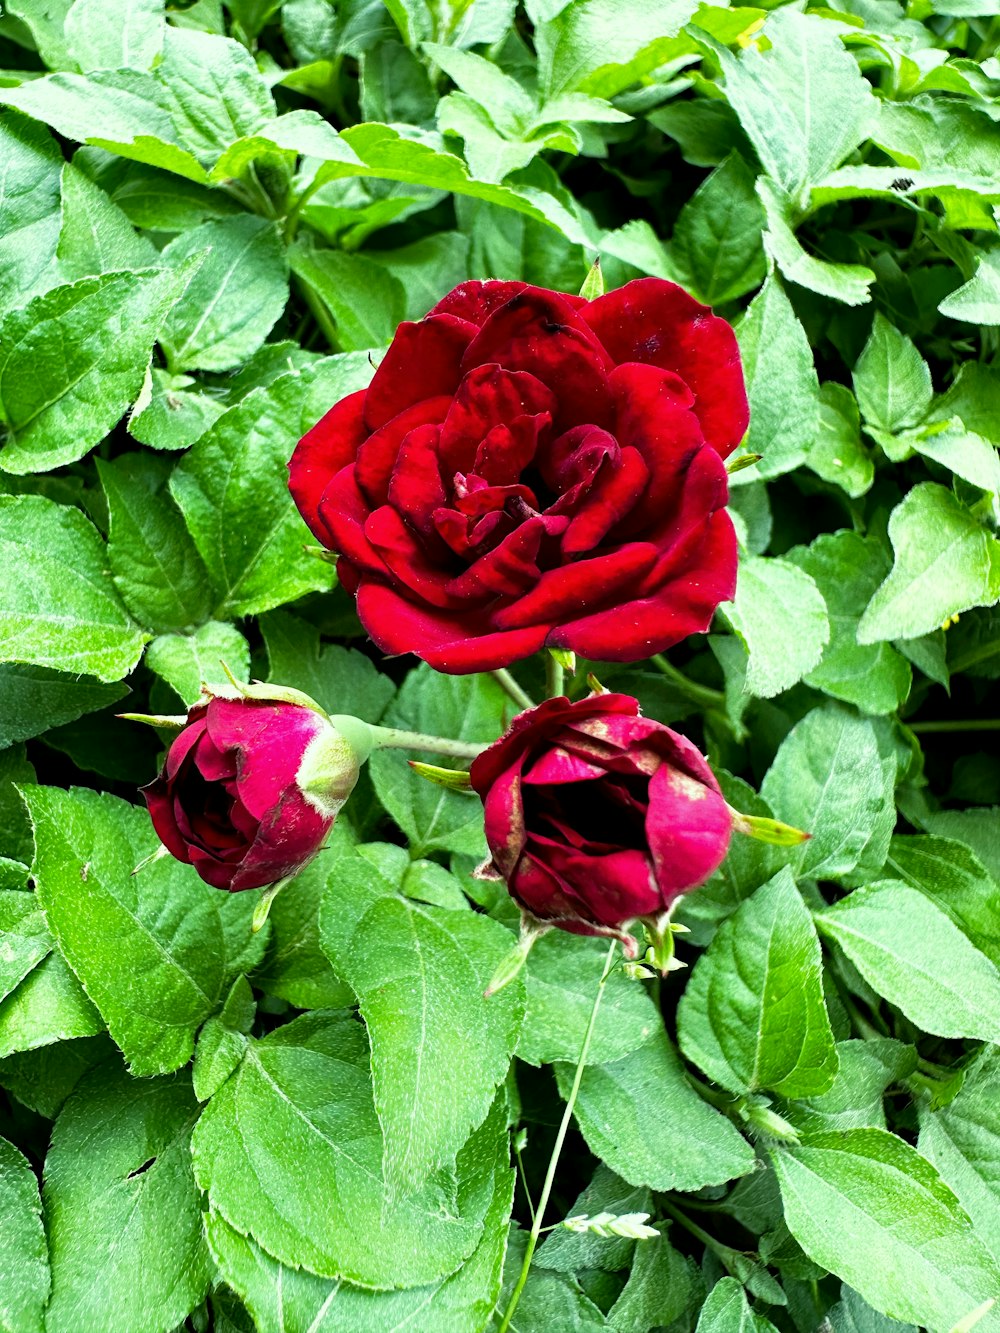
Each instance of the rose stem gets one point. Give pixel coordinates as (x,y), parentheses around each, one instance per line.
(506,681)
(550,1175)
(391,738)
(553,677)
(699,694)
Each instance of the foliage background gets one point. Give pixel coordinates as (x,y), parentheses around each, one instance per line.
(211,219)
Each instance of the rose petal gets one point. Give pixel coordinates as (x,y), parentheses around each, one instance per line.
(331,444)
(271,739)
(688,826)
(422,362)
(159,803)
(657,323)
(587,583)
(378,456)
(488,396)
(454,644)
(539,332)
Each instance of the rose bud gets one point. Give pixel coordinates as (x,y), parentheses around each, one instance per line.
(529,469)
(596,816)
(252,784)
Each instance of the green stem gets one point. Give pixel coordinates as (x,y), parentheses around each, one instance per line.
(391,738)
(723,1252)
(507,682)
(550,1175)
(970,724)
(553,677)
(699,694)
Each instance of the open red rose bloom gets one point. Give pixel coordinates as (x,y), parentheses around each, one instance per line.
(596,816)
(529,469)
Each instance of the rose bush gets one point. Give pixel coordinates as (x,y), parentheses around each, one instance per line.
(250,789)
(530,469)
(596,816)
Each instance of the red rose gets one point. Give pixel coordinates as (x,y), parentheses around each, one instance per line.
(596,816)
(530,469)
(250,789)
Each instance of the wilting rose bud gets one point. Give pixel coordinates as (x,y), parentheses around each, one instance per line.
(252,784)
(596,816)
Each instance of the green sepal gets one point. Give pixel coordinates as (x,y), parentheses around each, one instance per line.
(453,779)
(593,284)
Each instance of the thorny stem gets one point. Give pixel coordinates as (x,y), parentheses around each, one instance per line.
(391,738)
(550,1175)
(507,682)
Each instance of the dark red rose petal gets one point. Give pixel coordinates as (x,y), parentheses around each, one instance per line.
(422,362)
(331,444)
(656,322)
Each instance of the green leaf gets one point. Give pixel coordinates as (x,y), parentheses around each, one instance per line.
(280,1297)
(367,300)
(561,976)
(295,968)
(188,661)
(42,1079)
(571,1252)
(603,46)
(426,268)
(213,89)
(868,1207)
(120,1200)
(467,708)
(781,384)
(726,1311)
(752,1015)
(930,970)
(73,360)
(853,1315)
(955,879)
(716,241)
(837,453)
(295,1124)
(978,300)
(148,948)
(233,301)
(828,778)
(26,939)
(891,379)
(123,111)
(232,488)
(841,282)
(419,974)
(222,1042)
(113,34)
(847,568)
(804,103)
(170,414)
(155,564)
(59,607)
(29,209)
(340,679)
(962,1139)
(659,1289)
(946,562)
(961,451)
(855,1098)
(24,1257)
(642,1117)
(35,699)
(96,236)
(780,617)
(48,1006)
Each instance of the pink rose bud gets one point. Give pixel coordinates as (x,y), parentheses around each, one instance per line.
(596,816)
(252,785)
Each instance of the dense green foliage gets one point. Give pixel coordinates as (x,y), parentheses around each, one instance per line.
(211,221)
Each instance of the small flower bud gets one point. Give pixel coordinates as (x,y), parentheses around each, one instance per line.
(252,784)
